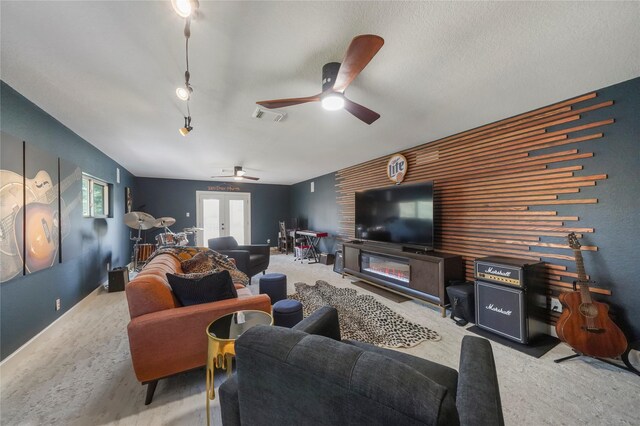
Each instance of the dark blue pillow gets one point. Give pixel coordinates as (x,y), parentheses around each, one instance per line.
(208,288)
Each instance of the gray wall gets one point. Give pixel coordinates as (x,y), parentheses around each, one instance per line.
(27,303)
(317,210)
(615,265)
(174,198)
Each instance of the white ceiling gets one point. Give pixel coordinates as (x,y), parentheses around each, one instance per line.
(108,71)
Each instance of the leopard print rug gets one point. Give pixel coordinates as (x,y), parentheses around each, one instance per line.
(362,317)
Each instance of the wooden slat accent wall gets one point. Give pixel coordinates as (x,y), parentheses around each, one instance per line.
(487,181)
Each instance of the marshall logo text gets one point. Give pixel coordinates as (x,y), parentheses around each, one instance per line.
(493,308)
(500,272)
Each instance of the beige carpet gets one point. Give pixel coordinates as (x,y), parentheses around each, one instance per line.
(78,372)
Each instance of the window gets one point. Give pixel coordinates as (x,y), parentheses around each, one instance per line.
(95,197)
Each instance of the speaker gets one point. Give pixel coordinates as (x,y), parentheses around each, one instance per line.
(118,278)
(461,297)
(338,264)
(505,311)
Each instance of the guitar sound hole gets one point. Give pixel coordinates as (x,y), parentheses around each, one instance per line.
(589,310)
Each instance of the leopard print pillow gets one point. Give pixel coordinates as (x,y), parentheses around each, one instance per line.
(198,264)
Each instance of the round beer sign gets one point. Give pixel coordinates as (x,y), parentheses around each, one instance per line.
(397,168)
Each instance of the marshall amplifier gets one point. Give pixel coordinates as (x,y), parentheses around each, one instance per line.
(506,290)
(508,271)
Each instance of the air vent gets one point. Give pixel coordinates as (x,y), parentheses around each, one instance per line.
(276,116)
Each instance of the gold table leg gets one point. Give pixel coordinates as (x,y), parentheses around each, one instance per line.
(220,354)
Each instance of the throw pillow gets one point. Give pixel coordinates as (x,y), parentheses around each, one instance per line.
(197,264)
(209,288)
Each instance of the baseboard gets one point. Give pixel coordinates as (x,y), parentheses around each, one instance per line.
(81,303)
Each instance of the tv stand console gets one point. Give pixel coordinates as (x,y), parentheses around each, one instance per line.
(419,274)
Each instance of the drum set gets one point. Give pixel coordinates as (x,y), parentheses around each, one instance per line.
(143,221)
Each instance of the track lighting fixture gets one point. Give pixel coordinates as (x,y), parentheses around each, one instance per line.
(184,131)
(184,8)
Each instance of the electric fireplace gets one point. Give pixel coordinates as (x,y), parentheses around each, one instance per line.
(389,268)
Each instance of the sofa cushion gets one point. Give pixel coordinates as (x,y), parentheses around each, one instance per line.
(200,263)
(208,288)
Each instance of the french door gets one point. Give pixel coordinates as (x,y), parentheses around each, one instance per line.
(223,214)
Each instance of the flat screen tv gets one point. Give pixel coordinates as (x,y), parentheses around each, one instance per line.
(401,214)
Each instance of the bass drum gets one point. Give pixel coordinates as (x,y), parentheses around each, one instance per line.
(181,239)
(144,251)
(166,239)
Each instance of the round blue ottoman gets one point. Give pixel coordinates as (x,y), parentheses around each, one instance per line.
(287,313)
(275,285)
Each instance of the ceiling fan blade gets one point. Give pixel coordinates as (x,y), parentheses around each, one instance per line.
(361,50)
(227,176)
(363,113)
(281,103)
(250,177)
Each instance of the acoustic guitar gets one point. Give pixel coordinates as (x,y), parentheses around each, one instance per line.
(585,324)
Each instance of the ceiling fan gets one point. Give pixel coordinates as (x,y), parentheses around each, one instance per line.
(336,78)
(238,174)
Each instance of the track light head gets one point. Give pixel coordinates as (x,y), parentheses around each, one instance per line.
(184,131)
(184,93)
(184,8)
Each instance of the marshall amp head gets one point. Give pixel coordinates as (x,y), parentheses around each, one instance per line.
(507,271)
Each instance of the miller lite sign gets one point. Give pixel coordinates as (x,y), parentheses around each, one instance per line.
(397,168)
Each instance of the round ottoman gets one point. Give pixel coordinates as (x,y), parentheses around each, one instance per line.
(287,313)
(275,285)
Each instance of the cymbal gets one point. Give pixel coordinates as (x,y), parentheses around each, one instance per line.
(163,222)
(193,229)
(139,220)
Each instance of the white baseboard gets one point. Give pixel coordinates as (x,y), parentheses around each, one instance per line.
(84,301)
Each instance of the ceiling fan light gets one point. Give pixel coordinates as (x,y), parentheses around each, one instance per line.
(333,102)
(240,173)
(182,7)
(183,93)
(238,178)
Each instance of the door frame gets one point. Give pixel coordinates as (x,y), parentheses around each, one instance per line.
(224,197)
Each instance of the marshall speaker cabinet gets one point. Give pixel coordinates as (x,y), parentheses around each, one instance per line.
(506,292)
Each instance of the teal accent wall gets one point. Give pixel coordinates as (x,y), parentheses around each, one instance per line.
(175,197)
(27,303)
(317,210)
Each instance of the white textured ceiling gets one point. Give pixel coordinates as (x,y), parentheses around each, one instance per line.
(108,71)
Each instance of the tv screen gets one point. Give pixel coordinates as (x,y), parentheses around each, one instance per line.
(400,214)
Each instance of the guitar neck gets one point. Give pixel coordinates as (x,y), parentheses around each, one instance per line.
(582,276)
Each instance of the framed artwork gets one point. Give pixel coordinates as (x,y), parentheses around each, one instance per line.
(11,203)
(128,199)
(70,209)
(41,219)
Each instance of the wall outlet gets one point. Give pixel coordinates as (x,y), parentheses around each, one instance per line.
(268,240)
(108,266)
(57,304)
(555,305)
(187,214)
